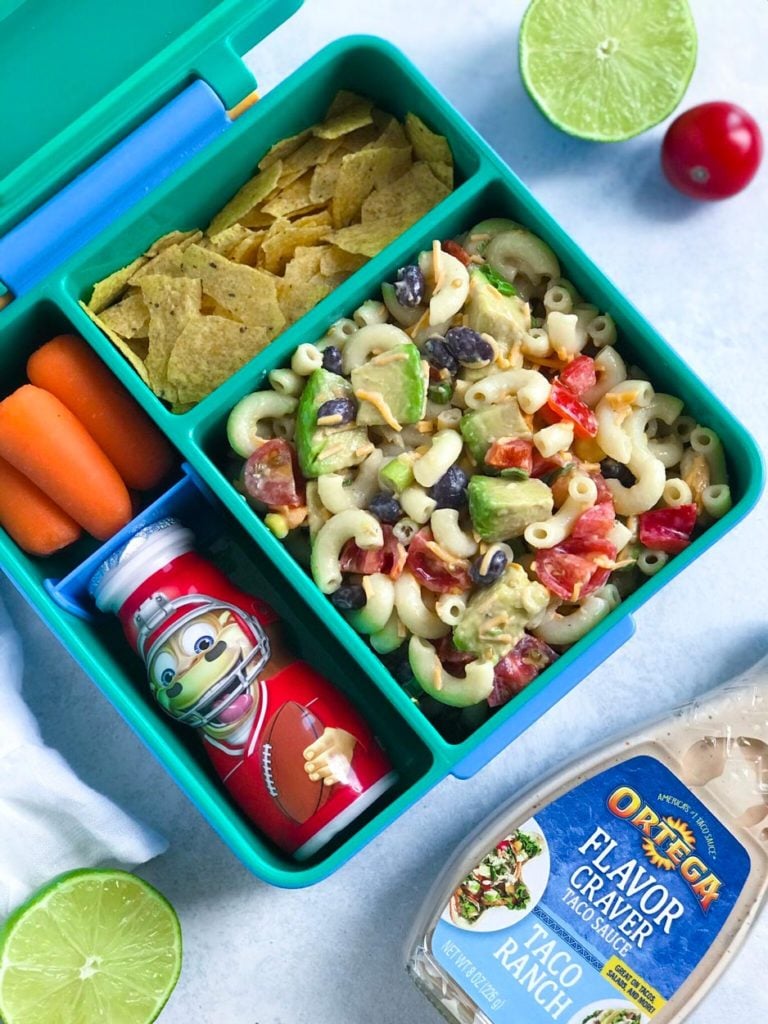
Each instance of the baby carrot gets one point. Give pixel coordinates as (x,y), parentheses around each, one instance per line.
(36,523)
(71,371)
(48,444)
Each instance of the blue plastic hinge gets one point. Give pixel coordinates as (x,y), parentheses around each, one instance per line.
(546,698)
(115,183)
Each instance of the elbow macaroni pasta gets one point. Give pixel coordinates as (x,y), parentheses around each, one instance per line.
(414,613)
(353,524)
(582,494)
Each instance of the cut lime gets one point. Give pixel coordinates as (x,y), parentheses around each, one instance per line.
(91,946)
(607,69)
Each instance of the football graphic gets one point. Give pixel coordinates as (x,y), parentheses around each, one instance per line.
(288,734)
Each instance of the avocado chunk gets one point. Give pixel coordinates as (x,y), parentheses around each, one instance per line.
(505,317)
(398,379)
(496,616)
(397,474)
(501,509)
(481,427)
(326,449)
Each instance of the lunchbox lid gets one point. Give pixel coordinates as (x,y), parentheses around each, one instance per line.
(77,77)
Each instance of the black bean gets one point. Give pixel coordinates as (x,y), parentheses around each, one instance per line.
(614,470)
(409,286)
(385,507)
(332,359)
(440,356)
(450,491)
(495,568)
(349,597)
(467,346)
(343,407)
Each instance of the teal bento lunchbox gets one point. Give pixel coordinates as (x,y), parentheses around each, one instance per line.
(139,143)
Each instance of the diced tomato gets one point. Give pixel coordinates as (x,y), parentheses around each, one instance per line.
(510,453)
(454,249)
(604,496)
(597,521)
(563,401)
(389,558)
(451,658)
(579,376)
(667,529)
(569,569)
(543,466)
(271,475)
(519,668)
(434,573)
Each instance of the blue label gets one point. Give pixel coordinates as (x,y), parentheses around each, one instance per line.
(599,908)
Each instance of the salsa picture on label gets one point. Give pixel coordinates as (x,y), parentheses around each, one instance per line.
(481,475)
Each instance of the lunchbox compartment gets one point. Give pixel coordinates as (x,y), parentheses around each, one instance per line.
(190,198)
(485,196)
(226,544)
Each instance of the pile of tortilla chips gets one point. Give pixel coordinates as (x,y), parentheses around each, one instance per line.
(198,305)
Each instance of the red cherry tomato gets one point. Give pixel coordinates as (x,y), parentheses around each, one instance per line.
(712,151)
(580,375)
(272,475)
(510,453)
(668,529)
(388,559)
(431,571)
(568,407)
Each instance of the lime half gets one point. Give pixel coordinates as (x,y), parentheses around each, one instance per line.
(607,69)
(92,946)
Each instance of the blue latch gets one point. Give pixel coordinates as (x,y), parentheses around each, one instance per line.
(115,183)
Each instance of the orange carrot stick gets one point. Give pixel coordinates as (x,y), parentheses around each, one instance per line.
(45,442)
(72,371)
(36,523)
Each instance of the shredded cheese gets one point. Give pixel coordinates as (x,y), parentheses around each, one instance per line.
(437,674)
(377,400)
(385,358)
(619,400)
(331,420)
(450,560)
(425,426)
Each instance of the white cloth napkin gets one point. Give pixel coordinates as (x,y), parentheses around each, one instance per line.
(50,821)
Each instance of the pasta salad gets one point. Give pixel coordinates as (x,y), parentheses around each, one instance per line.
(481,476)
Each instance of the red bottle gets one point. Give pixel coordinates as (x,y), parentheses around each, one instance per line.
(291,750)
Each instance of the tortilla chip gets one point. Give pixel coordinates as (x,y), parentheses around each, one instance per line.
(391,132)
(427,145)
(359,174)
(209,351)
(167,263)
(172,302)
(292,200)
(252,193)
(128,349)
(256,219)
(279,247)
(370,238)
(173,238)
(226,240)
(323,183)
(110,289)
(247,293)
(406,199)
(129,318)
(248,250)
(313,152)
(444,173)
(337,261)
(355,115)
(298,298)
(283,149)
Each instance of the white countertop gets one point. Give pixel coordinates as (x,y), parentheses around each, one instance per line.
(332,954)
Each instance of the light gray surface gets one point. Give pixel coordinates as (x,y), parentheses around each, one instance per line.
(332,954)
